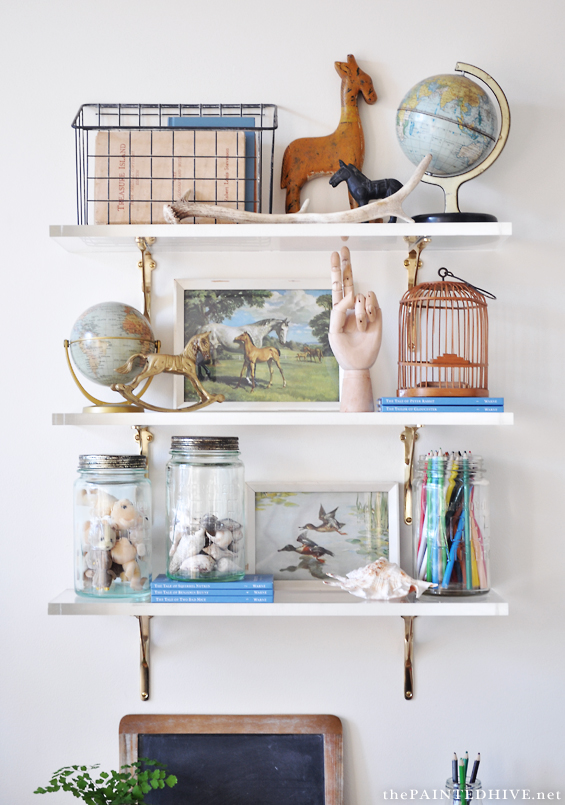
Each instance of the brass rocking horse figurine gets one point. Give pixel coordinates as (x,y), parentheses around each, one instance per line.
(183,364)
(308,157)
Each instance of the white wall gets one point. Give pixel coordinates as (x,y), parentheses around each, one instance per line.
(488,685)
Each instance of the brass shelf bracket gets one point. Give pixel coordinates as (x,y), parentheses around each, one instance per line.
(145,643)
(409,436)
(147,264)
(143,437)
(408,656)
(413,262)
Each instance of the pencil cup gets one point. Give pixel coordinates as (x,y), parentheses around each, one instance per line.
(451,524)
(470,793)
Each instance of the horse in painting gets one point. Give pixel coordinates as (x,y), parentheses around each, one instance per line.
(223,335)
(254,355)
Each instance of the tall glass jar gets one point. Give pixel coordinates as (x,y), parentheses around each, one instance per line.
(112,524)
(205,509)
(451,529)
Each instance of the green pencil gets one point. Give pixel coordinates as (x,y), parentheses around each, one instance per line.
(462,792)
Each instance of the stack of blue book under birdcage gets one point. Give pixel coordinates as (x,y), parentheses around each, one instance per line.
(440,405)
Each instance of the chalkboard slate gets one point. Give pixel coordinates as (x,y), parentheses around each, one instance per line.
(239,769)
(240,760)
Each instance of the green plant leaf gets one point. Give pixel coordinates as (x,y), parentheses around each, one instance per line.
(171,780)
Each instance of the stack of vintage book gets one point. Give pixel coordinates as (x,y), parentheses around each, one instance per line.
(251,589)
(440,405)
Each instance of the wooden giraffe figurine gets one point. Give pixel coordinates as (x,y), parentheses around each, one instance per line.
(319,156)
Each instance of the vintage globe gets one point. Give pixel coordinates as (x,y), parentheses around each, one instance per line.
(104,337)
(450,117)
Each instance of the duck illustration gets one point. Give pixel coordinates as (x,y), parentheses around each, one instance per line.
(329,522)
(309,563)
(307,547)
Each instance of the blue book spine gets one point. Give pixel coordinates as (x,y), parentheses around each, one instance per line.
(441,401)
(207,593)
(441,409)
(213,599)
(222,123)
(249,582)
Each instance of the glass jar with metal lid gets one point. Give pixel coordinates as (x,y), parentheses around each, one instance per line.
(112,525)
(205,509)
(451,528)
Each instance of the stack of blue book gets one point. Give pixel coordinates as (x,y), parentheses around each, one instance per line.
(441,405)
(251,589)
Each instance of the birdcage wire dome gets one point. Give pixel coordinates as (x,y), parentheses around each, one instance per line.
(443,341)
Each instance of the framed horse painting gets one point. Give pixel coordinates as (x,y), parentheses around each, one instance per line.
(269,342)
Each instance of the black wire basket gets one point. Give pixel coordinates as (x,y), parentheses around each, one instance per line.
(132,159)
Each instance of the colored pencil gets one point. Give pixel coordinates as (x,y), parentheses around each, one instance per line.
(475,768)
(462,791)
(466,508)
(453,554)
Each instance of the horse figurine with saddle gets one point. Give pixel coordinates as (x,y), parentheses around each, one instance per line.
(362,189)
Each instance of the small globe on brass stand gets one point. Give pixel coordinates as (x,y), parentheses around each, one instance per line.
(113,345)
(102,339)
(454,119)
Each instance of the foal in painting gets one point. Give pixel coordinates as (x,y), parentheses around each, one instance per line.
(253,355)
(308,157)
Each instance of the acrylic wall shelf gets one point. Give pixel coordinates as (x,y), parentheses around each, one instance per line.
(280,237)
(231,419)
(292,599)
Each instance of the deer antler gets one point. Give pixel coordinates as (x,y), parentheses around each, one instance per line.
(174,213)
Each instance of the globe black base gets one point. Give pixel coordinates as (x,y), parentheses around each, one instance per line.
(455,218)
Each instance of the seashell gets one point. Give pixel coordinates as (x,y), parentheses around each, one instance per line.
(209,522)
(197,564)
(232,525)
(237,534)
(188,545)
(221,538)
(216,552)
(227,565)
(379,581)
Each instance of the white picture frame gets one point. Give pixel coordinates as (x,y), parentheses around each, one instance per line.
(321,373)
(280,527)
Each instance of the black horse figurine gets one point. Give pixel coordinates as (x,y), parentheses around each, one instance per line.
(362,189)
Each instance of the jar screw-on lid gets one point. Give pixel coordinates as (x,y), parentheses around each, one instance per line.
(105,462)
(184,443)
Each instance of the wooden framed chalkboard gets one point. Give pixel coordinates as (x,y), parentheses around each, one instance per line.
(240,760)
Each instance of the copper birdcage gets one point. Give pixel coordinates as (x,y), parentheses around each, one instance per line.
(443,341)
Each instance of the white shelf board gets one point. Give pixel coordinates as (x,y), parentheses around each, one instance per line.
(279,237)
(292,599)
(231,419)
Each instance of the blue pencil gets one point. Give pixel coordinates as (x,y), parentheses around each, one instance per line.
(453,553)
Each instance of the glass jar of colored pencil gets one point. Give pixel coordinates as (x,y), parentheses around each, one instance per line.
(469,791)
(451,523)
